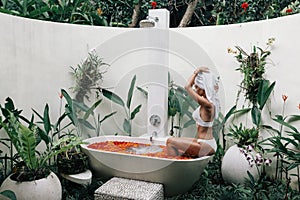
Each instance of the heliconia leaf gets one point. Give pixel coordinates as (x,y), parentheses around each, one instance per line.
(86,124)
(69,107)
(188,123)
(135,111)
(80,105)
(264,91)
(113,97)
(46,121)
(293,118)
(43,135)
(130,92)
(256,116)
(143,91)
(107,116)
(228,114)
(91,109)
(67,97)
(127,127)
(285,124)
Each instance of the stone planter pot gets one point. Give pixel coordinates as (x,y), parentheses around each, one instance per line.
(235,166)
(47,188)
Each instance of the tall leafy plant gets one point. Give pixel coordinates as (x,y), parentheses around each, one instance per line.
(82,115)
(255,87)
(179,104)
(88,76)
(129,111)
(285,146)
(33,164)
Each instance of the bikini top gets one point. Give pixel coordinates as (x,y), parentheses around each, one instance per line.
(198,119)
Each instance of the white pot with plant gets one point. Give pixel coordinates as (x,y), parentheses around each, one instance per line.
(32,177)
(243,160)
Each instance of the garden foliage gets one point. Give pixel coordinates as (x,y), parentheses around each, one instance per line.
(119,13)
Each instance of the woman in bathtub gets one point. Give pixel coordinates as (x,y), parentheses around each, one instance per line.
(202,86)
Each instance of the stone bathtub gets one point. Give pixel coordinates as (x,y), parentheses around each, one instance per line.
(177,176)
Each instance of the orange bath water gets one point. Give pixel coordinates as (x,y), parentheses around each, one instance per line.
(133,147)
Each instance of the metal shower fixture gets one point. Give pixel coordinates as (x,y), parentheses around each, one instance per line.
(149,22)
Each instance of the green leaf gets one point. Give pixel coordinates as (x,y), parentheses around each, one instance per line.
(86,124)
(46,121)
(135,2)
(107,116)
(79,105)
(28,146)
(43,135)
(10,194)
(67,97)
(130,92)
(9,104)
(142,91)
(69,107)
(37,12)
(127,126)
(135,111)
(256,116)
(264,91)
(228,114)
(293,118)
(113,97)
(188,123)
(241,111)
(285,124)
(91,109)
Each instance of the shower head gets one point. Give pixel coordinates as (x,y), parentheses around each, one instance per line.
(149,22)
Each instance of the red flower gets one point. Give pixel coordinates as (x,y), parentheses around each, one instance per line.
(299,106)
(61,95)
(289,10)
(245,5)
(153,4)
(284,97)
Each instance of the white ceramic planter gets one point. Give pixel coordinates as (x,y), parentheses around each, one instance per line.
(235,167)
(47,188)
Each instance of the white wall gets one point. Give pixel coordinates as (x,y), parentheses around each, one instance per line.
(36,56)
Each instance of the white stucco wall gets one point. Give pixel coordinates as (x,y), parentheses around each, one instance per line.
(36,56)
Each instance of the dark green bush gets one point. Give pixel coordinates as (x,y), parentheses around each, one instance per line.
(119,13)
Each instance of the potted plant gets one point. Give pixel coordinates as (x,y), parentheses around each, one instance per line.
(73,160)
(239,160)
(257,90)
(32,177)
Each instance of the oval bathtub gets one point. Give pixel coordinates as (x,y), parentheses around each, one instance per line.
(177,176)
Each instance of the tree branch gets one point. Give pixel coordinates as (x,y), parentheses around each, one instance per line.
(136,14)
(186,19)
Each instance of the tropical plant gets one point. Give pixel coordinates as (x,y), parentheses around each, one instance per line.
(73,160)
(284,143)
(31,164)
(129,13)
(243,135)
(256,90)
(255,87)
(130,113)
(88,76)
(79,114)
(179,104)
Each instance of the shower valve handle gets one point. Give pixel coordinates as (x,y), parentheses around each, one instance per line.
(155,120)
